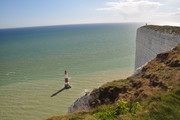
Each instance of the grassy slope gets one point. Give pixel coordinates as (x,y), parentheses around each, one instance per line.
(157,89)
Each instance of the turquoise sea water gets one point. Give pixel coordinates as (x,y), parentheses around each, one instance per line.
(33,60)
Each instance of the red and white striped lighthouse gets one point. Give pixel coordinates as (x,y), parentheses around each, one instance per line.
(67,86)
(66,77)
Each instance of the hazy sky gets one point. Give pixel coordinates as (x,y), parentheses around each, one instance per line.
(22,13)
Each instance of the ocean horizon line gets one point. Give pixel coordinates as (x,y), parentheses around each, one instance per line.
(38,26)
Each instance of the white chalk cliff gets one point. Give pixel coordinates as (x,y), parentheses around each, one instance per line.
(84,103)
(150,42)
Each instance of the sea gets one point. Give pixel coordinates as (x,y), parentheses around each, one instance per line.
(33,60)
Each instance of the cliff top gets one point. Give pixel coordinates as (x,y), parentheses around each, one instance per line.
(155,90)
(166,29)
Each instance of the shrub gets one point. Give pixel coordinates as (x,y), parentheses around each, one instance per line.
(122,107)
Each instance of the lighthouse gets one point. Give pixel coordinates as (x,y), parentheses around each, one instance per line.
(67,86)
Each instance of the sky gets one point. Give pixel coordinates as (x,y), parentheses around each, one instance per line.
(27,13)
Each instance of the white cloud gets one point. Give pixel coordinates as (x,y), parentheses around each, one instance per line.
(173,1)
(131,7)
(140,11)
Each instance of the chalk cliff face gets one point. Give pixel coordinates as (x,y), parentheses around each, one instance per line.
(84,103)
(152,40)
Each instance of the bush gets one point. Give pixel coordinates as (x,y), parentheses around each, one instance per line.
(122,107)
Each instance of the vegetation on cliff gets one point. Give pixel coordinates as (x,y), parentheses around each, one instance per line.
(154,94)
(167,29)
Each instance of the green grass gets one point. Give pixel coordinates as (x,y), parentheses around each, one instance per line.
(112,112)
(161,106)
(115,83)
(164,107)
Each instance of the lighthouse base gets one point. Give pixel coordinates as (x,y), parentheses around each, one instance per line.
(67,86)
